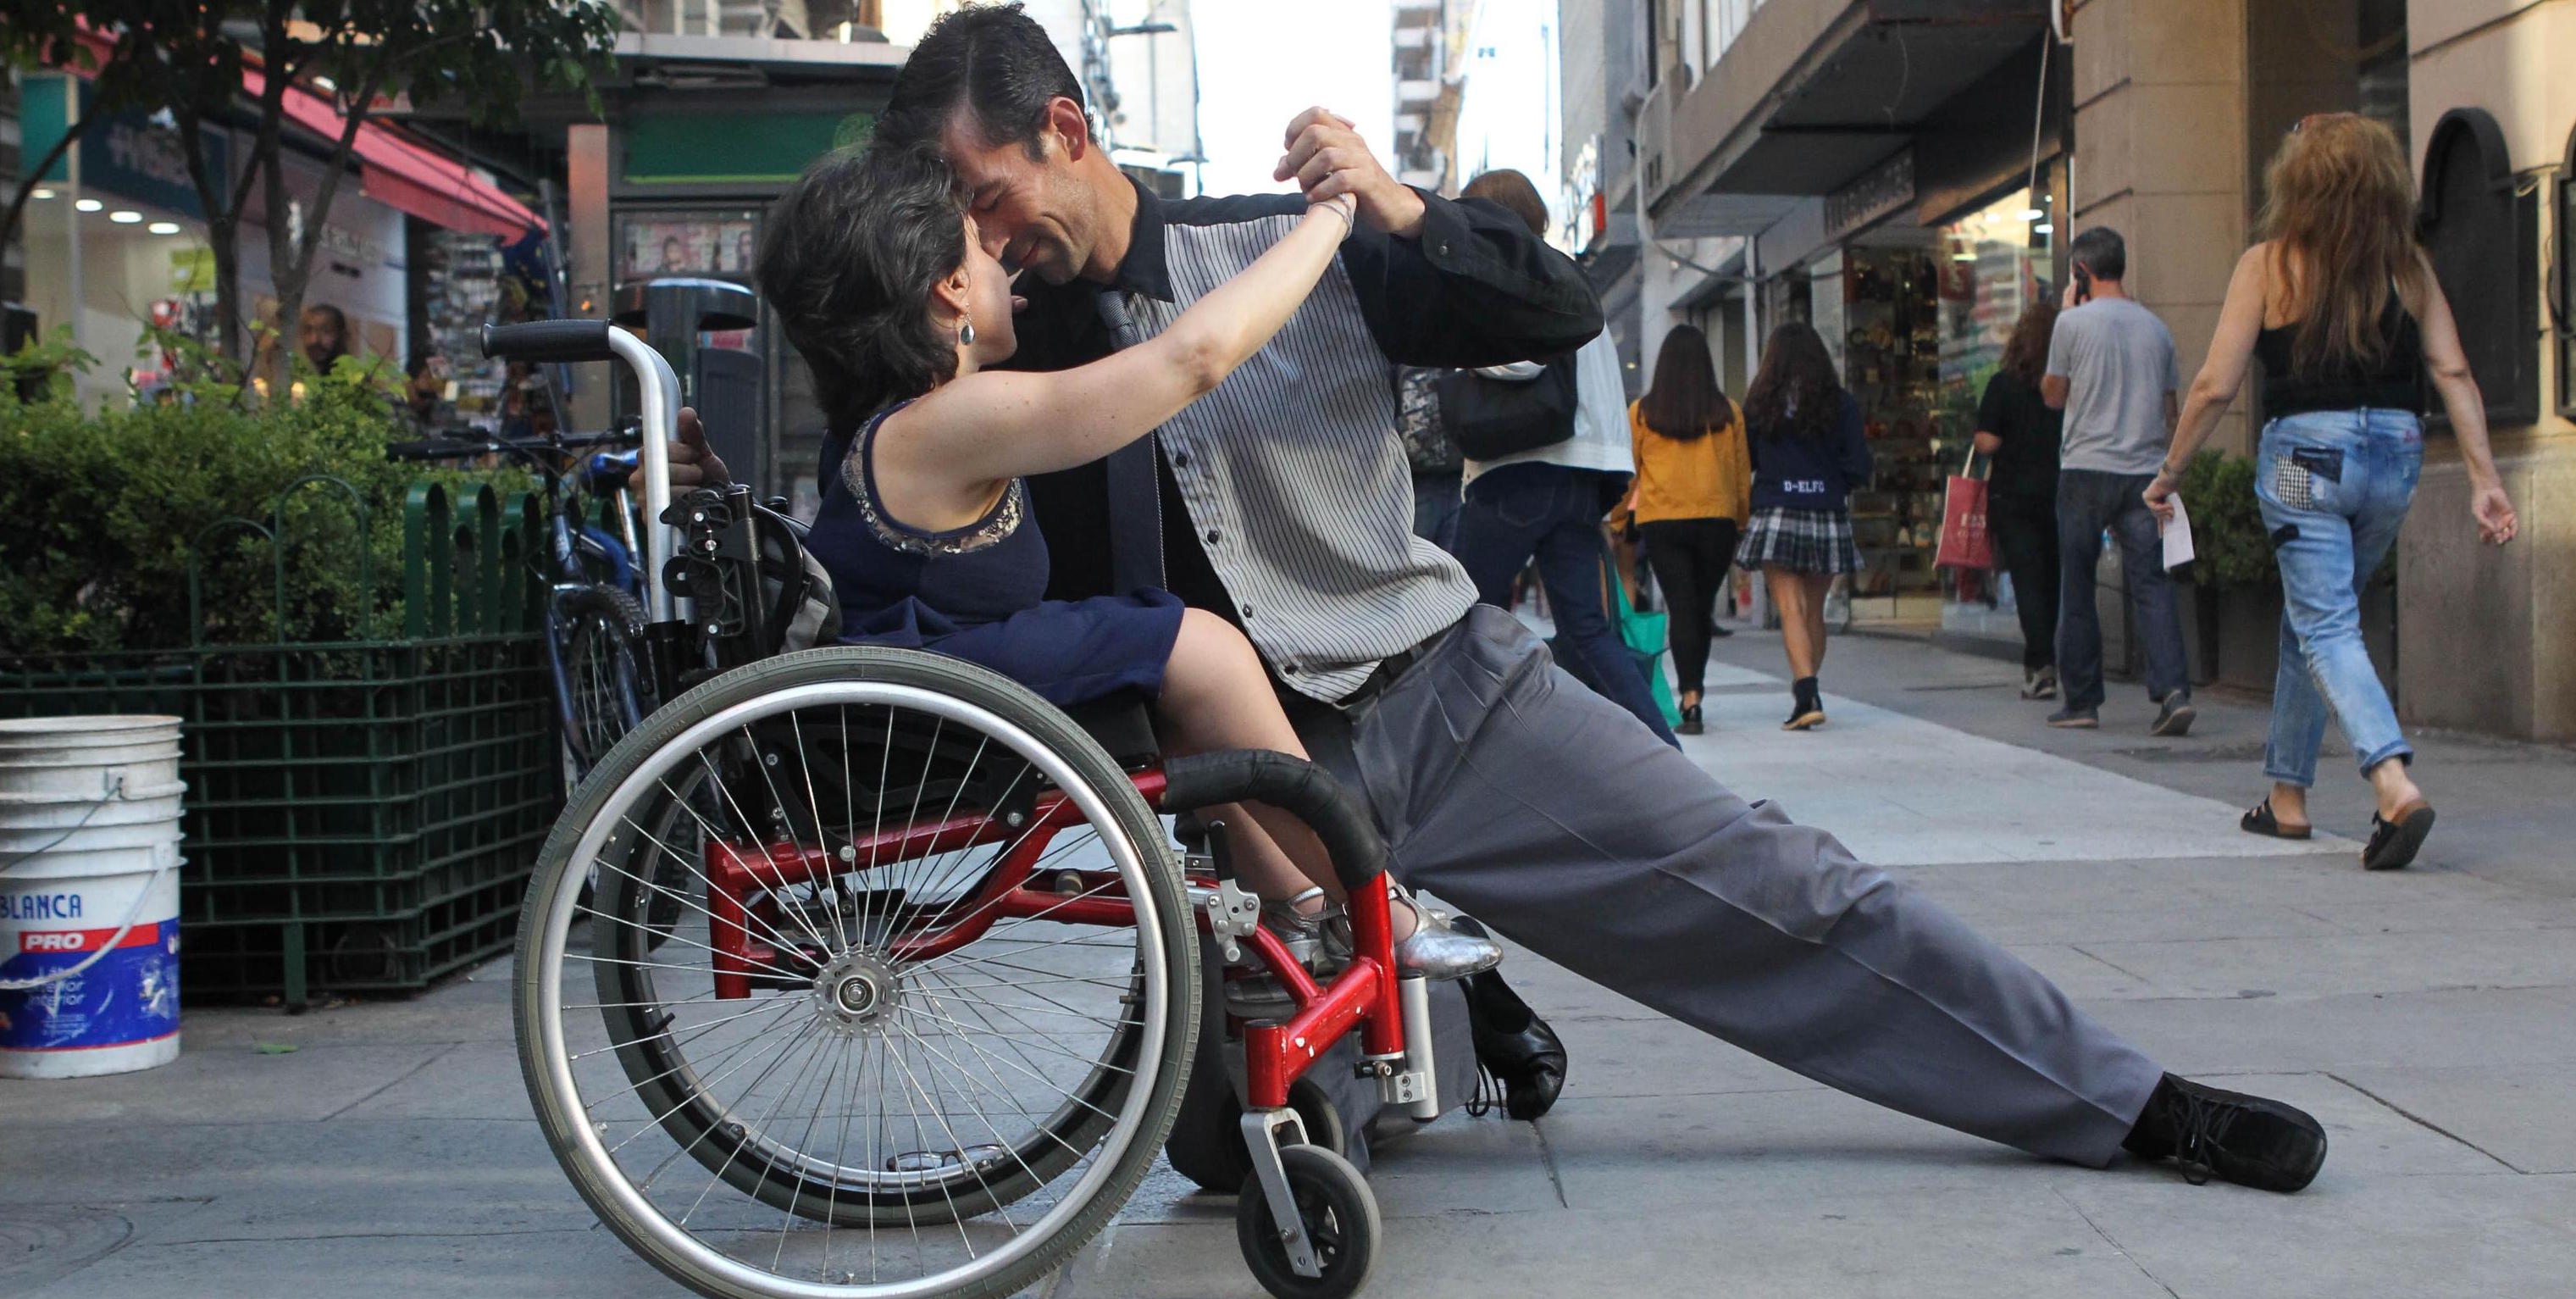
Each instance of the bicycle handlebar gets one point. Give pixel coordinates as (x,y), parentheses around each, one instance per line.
(549,340)
(461,448)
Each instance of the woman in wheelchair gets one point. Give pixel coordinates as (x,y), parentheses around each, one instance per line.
(875,269)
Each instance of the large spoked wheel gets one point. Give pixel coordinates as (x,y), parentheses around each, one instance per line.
(876,1070)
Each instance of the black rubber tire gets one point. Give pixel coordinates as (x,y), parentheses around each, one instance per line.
(608,623)
(647,1057)
(1341,1220)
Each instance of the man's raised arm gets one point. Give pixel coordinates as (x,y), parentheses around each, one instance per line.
(1441,283)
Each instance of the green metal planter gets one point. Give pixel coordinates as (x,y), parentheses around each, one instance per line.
(360,815)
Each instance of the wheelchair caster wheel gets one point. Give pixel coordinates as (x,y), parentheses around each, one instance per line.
(1340,1219)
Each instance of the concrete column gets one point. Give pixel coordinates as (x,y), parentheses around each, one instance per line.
(586,194)
(2160,157)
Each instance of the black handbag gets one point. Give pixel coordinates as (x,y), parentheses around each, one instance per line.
(1493,418)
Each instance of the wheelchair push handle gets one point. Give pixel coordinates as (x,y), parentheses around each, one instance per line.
(549,340)
(1301,789)
(658,389)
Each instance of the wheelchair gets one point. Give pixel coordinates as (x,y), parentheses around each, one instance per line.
(890,983)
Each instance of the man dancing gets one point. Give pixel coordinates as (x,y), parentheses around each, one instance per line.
(1282,500)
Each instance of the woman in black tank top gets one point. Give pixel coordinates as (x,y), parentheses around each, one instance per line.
(2342,308)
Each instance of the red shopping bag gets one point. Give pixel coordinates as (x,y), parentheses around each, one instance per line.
(1965,543)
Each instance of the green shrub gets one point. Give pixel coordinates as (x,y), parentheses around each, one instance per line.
(109,510)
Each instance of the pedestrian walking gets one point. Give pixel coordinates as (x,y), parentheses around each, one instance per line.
(1690,499)
(2111,369)
(2341,305)
(2018,432)
(1432,452)
(1804,434)
(1546,503)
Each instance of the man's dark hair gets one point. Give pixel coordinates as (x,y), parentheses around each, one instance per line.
(993,59)
(1514,193)
(2102,251)
(852,252)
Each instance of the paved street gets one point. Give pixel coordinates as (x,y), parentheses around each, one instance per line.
(2428,1018)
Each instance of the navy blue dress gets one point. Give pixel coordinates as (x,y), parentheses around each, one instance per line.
(978,592)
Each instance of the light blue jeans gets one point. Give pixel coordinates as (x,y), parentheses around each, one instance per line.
(2334,486)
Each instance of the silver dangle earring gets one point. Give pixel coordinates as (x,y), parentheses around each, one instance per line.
(966,334)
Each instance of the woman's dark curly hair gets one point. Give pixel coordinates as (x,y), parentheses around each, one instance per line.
(849,259)
(1795,393)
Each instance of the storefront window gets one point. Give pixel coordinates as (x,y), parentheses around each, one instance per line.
(1890,334)
(1994,263)
(2478,229)
(117,246)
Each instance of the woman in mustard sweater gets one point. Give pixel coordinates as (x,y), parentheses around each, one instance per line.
(1692,491)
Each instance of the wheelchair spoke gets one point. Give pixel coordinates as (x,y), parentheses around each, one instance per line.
(770,932)
(752,830)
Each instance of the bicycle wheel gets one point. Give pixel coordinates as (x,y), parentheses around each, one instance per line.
(595,629)
(944,1064)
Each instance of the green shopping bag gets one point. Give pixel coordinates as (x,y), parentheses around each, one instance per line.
(1645,636)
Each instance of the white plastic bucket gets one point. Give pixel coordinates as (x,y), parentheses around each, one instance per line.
(89,895)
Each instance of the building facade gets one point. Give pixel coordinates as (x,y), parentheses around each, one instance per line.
(1430,86)
(1905,174)
(1886,170)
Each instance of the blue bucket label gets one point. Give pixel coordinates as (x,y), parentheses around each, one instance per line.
(131,995)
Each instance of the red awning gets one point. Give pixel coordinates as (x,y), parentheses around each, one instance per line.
(407,176)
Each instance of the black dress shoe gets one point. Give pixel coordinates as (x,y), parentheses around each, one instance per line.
(2244,1139)
(1691,724)
(1512,1042)
(1530,1064)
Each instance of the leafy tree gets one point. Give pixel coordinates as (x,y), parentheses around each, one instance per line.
(189,57)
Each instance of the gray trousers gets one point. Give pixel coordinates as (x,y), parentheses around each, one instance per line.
(1550,814)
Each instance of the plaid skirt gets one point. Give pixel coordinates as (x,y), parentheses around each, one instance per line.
(1803,541)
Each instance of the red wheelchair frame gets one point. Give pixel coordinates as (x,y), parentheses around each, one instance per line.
(1364,995)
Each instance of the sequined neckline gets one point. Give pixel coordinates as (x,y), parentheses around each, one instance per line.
(858,474)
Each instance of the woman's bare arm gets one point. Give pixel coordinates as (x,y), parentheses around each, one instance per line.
(2221,376)
(995,425)
(2449,365)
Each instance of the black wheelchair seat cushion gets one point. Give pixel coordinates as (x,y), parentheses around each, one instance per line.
(1123,727)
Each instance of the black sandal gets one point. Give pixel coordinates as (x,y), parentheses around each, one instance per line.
(2259,820)
(2393,844)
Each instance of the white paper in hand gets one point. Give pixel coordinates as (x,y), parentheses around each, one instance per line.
(2177,535)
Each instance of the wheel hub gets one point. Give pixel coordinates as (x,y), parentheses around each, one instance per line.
(857,994)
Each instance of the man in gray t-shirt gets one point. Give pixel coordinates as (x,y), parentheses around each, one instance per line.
(2117,363)
(2111,367)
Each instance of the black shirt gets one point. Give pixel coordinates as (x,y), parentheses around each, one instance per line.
(2395,383)
(2026,464)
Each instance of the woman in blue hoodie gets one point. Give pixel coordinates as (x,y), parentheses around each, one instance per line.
(1808,454)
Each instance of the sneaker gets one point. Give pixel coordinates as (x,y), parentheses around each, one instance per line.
(2244,1139)
(2041,684)
(2075,719)
(2175,719)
